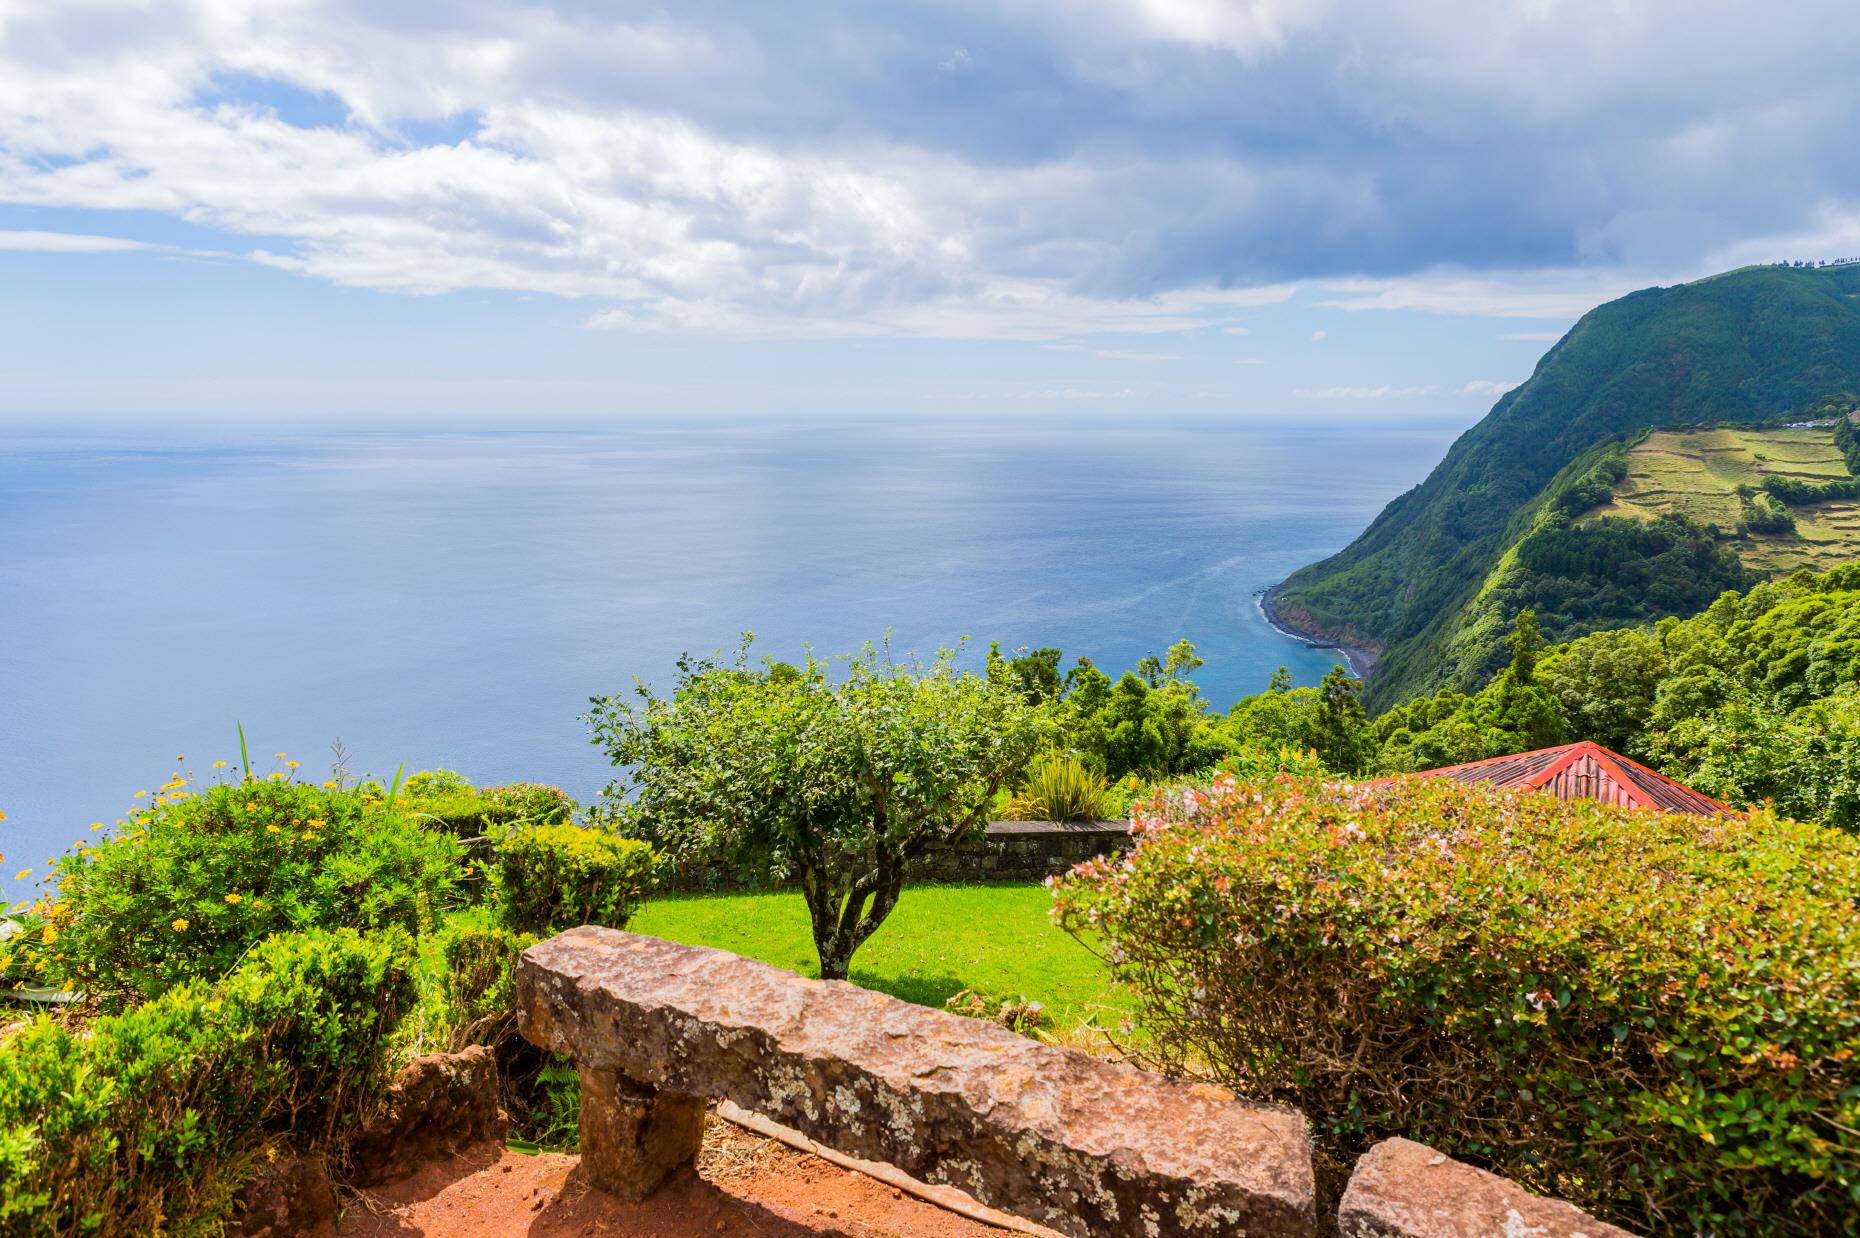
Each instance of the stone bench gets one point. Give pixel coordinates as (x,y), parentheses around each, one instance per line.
(1084,1146)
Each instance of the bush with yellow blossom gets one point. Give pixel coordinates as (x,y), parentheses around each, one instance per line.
(185,886)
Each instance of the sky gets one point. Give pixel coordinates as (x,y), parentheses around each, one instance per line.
(1286,209)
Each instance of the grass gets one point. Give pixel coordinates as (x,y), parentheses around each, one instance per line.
(1697,472)
(995,939)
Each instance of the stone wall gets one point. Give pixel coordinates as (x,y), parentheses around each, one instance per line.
(1082,1145)
(1004,851)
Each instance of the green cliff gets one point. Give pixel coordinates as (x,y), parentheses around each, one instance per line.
(1433,583)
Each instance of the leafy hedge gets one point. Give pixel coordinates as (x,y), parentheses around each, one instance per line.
(186,886)
(553,877)
(146,1122)
(1655,1016)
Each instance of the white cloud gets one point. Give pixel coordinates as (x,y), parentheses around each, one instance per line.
(1236,331)
(1565,294)
(1362,393)
(67,243)
(1250,361)
(1063,347)
(715,171)
(1075,393)
(1487,386)
(1316,336)
(1119,354)
(1248,28)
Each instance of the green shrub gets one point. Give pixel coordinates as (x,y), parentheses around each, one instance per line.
(1656,1016)
(147,1122)
(472,987)
(435,783)
(468,997)
(184,888)
(553,877)
(460,809)
(1060,788)
(534,802)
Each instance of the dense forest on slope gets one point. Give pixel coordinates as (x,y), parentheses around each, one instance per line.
(1433,582)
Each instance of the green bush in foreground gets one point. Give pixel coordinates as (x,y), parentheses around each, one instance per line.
(1656,1016)
(553,877)
(186,886)
(147,1121)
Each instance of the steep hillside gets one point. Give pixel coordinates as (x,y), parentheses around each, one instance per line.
(1746,346)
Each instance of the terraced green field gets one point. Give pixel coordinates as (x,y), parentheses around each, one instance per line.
(1697,472)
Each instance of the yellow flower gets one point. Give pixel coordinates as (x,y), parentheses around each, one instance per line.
(235,899)
(23,874)
(314,822)
(6,960)
(179,926)
(280,756)
(50,934)
(290,765)
(273,829)
(219,765)
(138,795)
(328,786)
(308,834)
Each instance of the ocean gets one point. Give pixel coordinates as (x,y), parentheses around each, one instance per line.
(451,599)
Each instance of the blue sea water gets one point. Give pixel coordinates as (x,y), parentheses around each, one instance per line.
(452,599)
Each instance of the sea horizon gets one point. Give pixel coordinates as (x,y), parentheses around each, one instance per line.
(446,598)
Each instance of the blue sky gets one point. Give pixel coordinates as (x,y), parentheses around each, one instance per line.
(1275,208)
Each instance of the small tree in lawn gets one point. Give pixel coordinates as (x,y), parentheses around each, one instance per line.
(837,781)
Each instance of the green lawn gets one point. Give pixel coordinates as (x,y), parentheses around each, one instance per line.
(941,939)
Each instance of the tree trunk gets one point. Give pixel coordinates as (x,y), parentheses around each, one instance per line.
(848,911)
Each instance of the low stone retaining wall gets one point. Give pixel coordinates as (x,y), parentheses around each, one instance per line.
(1003,851)
(1081,1145)
(1078,1144)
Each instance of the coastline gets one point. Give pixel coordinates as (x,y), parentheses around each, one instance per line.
(1360,660)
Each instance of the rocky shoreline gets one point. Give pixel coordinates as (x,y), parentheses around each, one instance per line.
(1360,658)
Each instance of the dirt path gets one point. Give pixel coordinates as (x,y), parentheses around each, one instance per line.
(745,1184)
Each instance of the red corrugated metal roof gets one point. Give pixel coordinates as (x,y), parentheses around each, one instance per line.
(1584,770)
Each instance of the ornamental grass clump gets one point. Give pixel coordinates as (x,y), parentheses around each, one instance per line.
(184,887)
(1655,1016)
(1060,788)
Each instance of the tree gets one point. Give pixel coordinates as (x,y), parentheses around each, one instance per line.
(836,782)
(1606,683)
(1526,640)
(1339,727)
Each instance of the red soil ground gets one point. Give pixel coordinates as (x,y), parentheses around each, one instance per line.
(744,1184)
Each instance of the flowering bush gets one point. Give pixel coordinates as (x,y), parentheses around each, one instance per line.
(147,1121)
(1657,1016)
(184,887)
(552,877)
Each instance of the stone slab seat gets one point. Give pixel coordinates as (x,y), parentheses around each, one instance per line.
(1084,1146)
